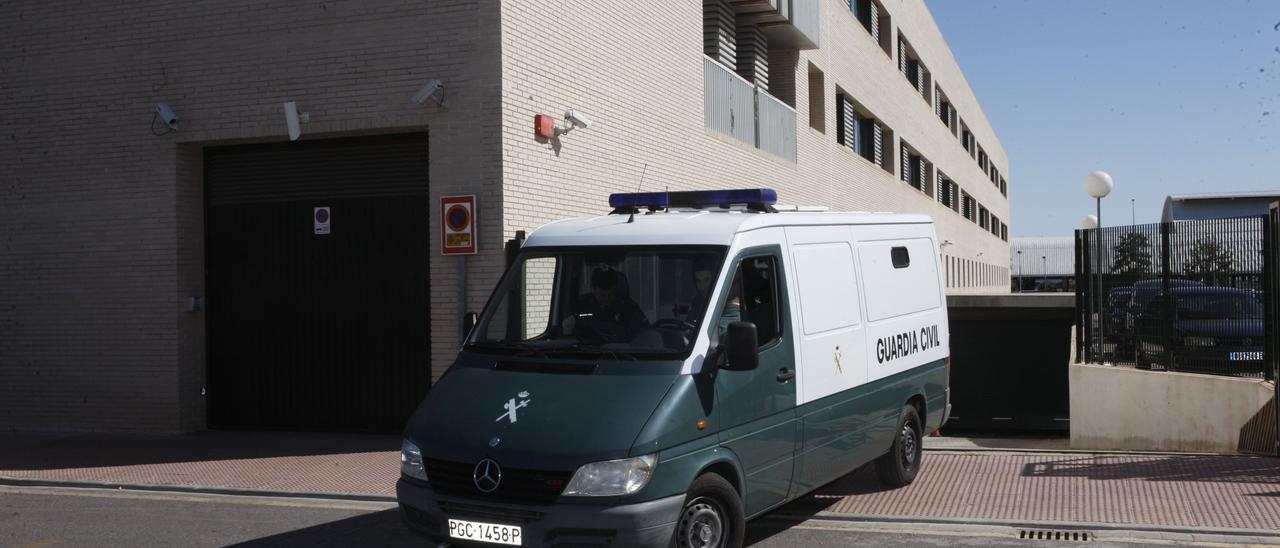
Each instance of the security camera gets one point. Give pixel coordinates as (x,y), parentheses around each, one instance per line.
(428,91)
(578,119)
(166,115)
(291,120)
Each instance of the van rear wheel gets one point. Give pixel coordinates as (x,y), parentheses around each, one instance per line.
(712,516)
(899,466)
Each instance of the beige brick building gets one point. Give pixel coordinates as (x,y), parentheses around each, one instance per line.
(135,261)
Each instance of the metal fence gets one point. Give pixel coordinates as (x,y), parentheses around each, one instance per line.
(1180,296)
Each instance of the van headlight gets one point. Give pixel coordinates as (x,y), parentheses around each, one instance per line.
(612,478)
(411,461)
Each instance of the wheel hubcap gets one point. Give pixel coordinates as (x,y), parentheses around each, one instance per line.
(702,524)
(908,445)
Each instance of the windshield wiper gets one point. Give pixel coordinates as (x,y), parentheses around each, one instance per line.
(602,351)
(514,348)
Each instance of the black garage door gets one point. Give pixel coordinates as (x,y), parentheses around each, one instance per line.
(310,330)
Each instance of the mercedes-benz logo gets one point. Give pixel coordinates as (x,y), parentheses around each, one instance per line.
(487,475)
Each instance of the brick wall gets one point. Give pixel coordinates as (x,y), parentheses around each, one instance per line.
(101,229)
(637,70)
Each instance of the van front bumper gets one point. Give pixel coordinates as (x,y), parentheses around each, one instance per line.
(650,523)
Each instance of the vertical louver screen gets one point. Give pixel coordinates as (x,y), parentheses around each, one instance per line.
(845,133)
(902,58)
(873,20)
(877,143)
(906,163)
(719,35)
(752,57)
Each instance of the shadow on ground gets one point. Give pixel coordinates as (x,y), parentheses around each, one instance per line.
(51,451)
(382,528)
(862,481)
(1231,469)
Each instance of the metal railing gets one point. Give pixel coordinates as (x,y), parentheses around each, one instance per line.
(1181,296)
(737,108)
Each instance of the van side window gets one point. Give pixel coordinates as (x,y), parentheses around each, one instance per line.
(901,258)
(755,292)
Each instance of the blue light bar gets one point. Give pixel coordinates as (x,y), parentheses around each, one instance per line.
(655,200)
(753,197)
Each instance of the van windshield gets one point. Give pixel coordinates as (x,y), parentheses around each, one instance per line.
(620,302)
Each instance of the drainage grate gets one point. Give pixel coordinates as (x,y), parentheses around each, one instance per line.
(1046,534)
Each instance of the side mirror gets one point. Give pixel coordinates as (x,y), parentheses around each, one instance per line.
(740,347)
(469,323)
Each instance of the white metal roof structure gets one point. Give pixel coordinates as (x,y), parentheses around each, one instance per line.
(1217,205)
(693,227)
(1058,252)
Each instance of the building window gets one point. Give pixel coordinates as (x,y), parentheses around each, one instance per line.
(1004,187)
(916,170)
(943,109)
(914,71)
(966,139)
(984,218)
(876,20)
(1004,232)
(967,208)
(982,159)
(817,99)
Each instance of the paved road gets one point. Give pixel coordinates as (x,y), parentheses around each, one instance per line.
(40,517)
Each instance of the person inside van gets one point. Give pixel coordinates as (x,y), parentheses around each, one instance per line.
(704,276)
(732,310)
(607,312)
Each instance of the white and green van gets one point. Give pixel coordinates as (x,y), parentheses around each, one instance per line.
(659,375)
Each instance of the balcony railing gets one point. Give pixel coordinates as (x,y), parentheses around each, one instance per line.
(735,107)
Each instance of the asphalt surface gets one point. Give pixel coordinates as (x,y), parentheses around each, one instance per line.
(45,516)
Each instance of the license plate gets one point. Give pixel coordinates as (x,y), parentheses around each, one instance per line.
(1244,356)
(484,532)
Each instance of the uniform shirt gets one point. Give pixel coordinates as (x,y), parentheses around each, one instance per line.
(623,315)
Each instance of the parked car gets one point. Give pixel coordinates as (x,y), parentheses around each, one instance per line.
(1143,293)
(1206,328)
(1117,304)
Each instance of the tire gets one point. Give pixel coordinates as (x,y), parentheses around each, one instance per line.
(898,467)
(712,516)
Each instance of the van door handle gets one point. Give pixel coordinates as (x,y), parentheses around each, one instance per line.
(785,375)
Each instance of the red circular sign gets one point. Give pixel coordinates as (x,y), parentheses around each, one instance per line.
(457,217)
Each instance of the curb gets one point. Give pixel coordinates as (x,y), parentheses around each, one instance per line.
(195,489)
(1018,524)
(1090,452)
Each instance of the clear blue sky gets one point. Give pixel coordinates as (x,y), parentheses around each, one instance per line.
(1167,96)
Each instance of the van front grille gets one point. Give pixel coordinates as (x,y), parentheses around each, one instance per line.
(517,485)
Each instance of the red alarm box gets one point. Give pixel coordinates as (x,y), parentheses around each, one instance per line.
(544,126)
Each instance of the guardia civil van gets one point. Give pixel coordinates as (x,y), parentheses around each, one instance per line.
(661,374)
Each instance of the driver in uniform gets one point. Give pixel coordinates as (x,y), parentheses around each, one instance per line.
(612,317)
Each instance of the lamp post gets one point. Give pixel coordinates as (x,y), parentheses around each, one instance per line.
(1044,271)
(1019,271)
(1099,184)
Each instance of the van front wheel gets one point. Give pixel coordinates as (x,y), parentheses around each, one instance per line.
(711,517)
(899,466)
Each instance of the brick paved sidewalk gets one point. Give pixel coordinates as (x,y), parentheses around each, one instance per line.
(252,461)
(1152,490)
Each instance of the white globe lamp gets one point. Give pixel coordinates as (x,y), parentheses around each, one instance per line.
(1098,184)
(1090,222)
